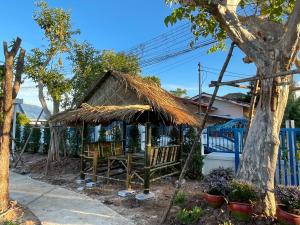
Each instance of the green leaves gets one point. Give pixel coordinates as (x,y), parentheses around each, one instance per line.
(204,24)
(89,64)
(154,79)
(179,92)
(56,24)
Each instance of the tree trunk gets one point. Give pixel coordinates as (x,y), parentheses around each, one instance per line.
(5,138)
(259,158)
(10,91)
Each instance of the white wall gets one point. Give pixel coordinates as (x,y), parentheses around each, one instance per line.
(215,160)
(226,108)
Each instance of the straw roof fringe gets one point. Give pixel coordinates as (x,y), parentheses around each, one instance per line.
(173,109)
(96,114)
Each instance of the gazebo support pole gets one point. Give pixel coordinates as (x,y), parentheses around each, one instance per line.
(147,159)
(124,137)
(82,162)
(180,141)
(129,171)
(198,138)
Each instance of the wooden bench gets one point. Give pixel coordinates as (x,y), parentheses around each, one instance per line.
(96,154)
(160,158)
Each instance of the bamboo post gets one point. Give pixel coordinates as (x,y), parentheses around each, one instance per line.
(254,78)
(82,162)
(129,169)
(27,140)
(147,159)
(202,125)
(124,137)
(252,106)
(108,167)
(95,164)
(180,142)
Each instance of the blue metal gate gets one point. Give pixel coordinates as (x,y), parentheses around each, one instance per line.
(231,140)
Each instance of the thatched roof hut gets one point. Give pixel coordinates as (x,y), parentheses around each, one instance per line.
(118,96)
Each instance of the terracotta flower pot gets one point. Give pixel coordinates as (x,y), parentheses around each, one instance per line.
(241,211)
(287,218)
(214,201)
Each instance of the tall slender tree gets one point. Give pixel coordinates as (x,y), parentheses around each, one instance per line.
(44,66)
(11,87)
(269,35)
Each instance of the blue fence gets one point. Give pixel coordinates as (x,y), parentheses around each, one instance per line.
(231,140)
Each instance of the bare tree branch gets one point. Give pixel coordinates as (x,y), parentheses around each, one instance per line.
(290,40)
(297,62)
(5,49)
(15,47)
(42,98)
(19,72)
(264,29)
(225,14)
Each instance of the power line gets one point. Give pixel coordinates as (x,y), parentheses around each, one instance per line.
(165,57)
(235,73)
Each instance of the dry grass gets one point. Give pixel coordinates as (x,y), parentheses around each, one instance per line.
(96,114)
(173,109)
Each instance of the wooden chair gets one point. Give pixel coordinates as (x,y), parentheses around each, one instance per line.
(96,155)
(163,162)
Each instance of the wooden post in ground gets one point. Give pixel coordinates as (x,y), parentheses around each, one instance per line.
(147,159)
(95,165)
(129,169)
(202,125)
(180,142)
(27,140)
(124,137)
(82,162)
(252,105)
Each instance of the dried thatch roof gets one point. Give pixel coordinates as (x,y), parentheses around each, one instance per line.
(96,114)
(146,94)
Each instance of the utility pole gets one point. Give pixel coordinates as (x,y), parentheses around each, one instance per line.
(200,88)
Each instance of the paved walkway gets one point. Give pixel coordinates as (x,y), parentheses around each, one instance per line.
(54,205)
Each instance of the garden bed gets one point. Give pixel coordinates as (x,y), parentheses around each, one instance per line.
(66,172)
(18,214)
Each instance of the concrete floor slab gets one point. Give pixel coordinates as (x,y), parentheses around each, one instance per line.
(54,205)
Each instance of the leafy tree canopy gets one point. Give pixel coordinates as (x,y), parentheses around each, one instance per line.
(292,111)
(153,79)
(44,65)
(22,119)
(89,64)
(56,24)
(203,19)
(179,92)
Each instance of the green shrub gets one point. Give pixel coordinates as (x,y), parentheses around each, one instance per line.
(174,136)
(226,223)
(134,138)
(117,134)
(102,134)
(195,168)
(155,134)
(217,181)
(241,191)
(46,139)
(35,139)
(289,196)
(10,223)
(189,216)
(180,198)
(25,135)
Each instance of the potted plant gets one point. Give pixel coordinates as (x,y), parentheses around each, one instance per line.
(288,209)
(216,186)
(242,196)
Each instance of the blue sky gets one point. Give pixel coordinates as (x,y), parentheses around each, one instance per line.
(119,25)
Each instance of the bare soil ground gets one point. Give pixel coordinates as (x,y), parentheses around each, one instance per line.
(66,172)
(19,215)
